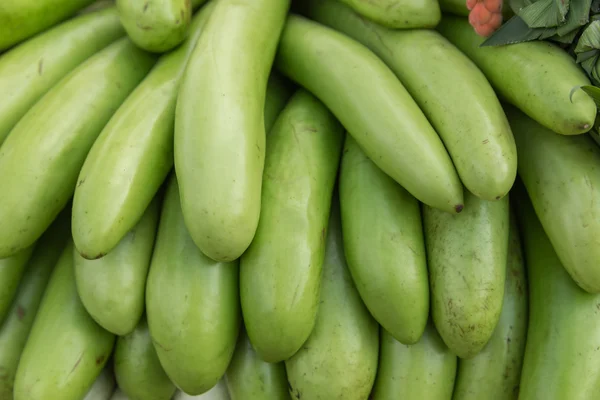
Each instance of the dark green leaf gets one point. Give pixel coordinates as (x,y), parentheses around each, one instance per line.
(566,39)
(579,15)
(545,13)
(590,38)
(515,30)
(586,55)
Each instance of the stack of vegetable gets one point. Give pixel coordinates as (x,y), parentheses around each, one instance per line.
(317,199)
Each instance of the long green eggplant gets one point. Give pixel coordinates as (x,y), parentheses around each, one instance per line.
(192,304)
(113,288)
(536,76)
(280,273)
(562,177)
(248,377)
(29,70)
(339,359)
(399,14)
(220,146)
(11,271)
(561,355)
(15,329)
(374,107)
(41,158)
(423,371)
(384,246)
(466,255)
(137,367)
(74,346)
(132,156)
(495,372)
(21,19)
(156,25)
(468,116)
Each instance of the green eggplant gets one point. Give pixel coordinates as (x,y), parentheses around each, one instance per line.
(21,315)
(248,377)
(192,304)
(113,288)
(468,117)
(373,106)
(425,370)
(563,336)
(339,359)
(384,245)
(74,347)
(41,158)
(132,156)
(137,367)
(30,69)
(220,146)
(280,272)
(536,76)
(156,25)
(21,19)
(562,178)
(466,255)
(495,372)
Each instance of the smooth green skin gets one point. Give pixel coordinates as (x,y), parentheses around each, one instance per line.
(11,271)
(192,304)
(15,328)
(424,371)
(468,117)
(279,91)
(339,359)
(132,156)
(103,386)
(535,76)
(563,337)
(156,25)
(495,372)
(113,288)
(137,367)
(74,347)
(248,377)
(384,245)
(21,19)
(220,146)
(374,107)
(466,256)
(29,70)
(562,177)
(280,273)
(40,160)
(399,14)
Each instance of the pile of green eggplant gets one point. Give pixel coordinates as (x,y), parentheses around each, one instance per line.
(277,199)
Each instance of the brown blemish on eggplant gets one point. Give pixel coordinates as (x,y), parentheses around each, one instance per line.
(20,313)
